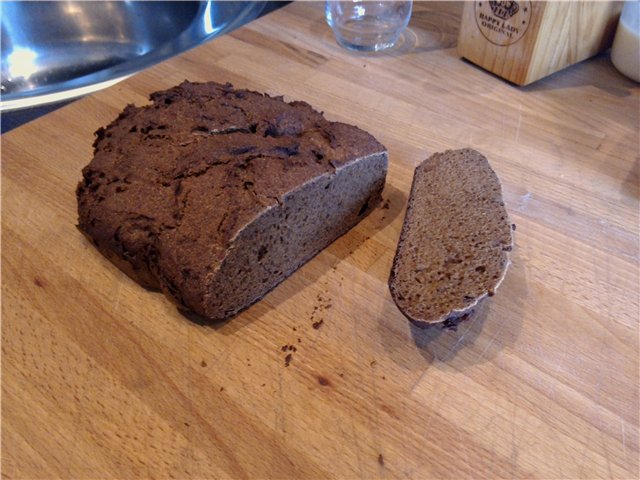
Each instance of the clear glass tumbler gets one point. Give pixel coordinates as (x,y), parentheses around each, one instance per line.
(367,25)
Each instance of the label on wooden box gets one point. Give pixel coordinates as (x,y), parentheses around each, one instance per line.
(503,23)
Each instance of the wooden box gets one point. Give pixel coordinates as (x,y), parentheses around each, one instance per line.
(523,41)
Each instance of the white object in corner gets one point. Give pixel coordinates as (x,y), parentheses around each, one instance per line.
(625,52)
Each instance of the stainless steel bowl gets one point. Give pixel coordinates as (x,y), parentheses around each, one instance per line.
(56,50)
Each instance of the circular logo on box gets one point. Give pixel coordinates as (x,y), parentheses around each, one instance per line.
(503,23)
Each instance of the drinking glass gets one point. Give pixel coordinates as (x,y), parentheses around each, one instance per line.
(366,25)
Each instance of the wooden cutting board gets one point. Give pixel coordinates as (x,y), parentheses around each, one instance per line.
(103,379)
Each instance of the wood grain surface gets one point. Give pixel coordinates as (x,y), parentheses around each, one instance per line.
(103,379)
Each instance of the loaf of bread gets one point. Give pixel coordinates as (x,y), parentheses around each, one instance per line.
(216,195)
(454,244)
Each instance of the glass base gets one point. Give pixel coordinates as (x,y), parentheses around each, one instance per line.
(375,44)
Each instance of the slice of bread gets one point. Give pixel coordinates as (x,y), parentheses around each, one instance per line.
(453,249)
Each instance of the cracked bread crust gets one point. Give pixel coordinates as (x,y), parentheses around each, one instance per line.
(215,195)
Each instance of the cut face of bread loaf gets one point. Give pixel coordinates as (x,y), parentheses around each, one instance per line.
(454,244)
(216,195)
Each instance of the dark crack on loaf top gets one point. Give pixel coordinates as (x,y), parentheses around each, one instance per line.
(194,167)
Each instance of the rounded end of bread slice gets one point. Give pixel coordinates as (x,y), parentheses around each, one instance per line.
(454,246)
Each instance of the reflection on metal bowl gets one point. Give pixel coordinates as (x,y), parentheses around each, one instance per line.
(57,50)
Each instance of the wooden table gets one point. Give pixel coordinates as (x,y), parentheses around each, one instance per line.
(102,379)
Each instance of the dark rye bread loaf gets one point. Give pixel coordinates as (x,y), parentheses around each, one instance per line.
(453,249)
(216,195)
